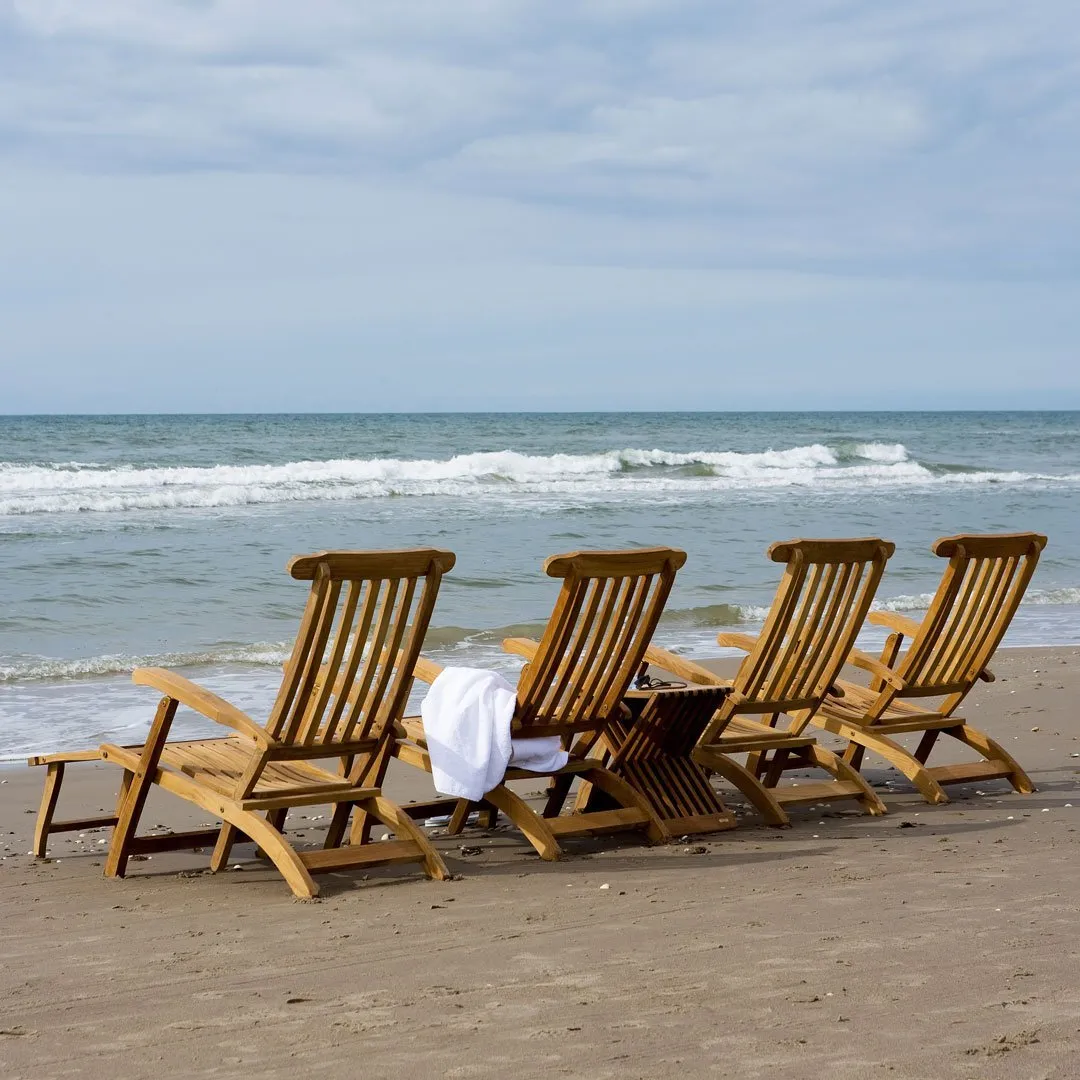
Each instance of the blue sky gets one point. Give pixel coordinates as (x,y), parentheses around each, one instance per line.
(248,206)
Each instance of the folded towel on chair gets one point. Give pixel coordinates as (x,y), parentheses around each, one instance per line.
(467,714)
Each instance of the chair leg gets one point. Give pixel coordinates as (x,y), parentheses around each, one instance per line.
(751,787)
(926,745)
(853,755)
(897,756)
(868,799)
(279,851)
(458,818)
(558,790)
(527,820)
(398,822)
(335,832)
(134,799)
(993,751)
(360,833)
(54,777)
(775,771)
(223,848)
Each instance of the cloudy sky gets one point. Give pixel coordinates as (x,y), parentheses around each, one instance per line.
(257,205)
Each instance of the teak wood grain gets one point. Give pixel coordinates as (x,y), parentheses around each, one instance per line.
(572,687)
(342,694)
(821,601)
(978,595)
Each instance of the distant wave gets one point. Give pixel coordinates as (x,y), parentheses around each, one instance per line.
(449,644)
(88,487)
(39,669)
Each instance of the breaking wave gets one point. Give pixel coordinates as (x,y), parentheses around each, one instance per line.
(88,487)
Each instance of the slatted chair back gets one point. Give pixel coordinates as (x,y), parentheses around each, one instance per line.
(594,642)
(351,670)
(820,604)
(976,600)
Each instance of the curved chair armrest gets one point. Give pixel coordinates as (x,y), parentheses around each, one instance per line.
(202,701)
(426,670)
(900,623)
(875,667)
(746,642)
(683,668)
(521,646)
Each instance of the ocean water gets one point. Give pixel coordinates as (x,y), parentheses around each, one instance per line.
(162,539)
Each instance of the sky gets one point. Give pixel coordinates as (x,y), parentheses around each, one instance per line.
(411,205)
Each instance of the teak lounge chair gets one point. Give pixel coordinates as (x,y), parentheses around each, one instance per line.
(819,607)
(573,685)
(976,600)
(339,698)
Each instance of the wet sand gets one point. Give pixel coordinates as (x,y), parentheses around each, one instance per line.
(934,942)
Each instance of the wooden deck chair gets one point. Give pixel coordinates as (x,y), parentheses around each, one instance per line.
(339,698)
(819,607)
(976,600)
(572,686)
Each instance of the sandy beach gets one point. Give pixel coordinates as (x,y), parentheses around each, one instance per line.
(933,942)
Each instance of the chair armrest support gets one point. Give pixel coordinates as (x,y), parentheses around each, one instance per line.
(746,642)
(683,668)
(202,701)
(876,668)
(427,670)
(894,621)
(521,646)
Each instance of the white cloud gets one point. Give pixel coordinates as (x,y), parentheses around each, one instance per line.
(866,132)
(471,171)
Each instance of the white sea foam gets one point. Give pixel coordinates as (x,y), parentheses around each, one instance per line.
(49,669)
(886,453)
(73,487)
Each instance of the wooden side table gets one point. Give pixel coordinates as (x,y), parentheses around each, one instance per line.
(652,752)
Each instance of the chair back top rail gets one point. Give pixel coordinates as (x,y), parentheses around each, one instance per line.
(594,641)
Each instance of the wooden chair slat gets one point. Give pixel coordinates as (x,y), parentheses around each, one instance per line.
(599,645)
(792,646)
(390,672)
(835,620)
(971,617)
(294,668)
(292,730)
(625,655)
(622,598)
(564,680)
(328,674)
(761,661)
(539,673)
(978,580)
(386,591)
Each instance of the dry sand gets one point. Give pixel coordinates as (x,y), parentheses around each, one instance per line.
(845,947)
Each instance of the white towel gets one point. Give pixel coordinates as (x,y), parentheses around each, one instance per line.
(467,714)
